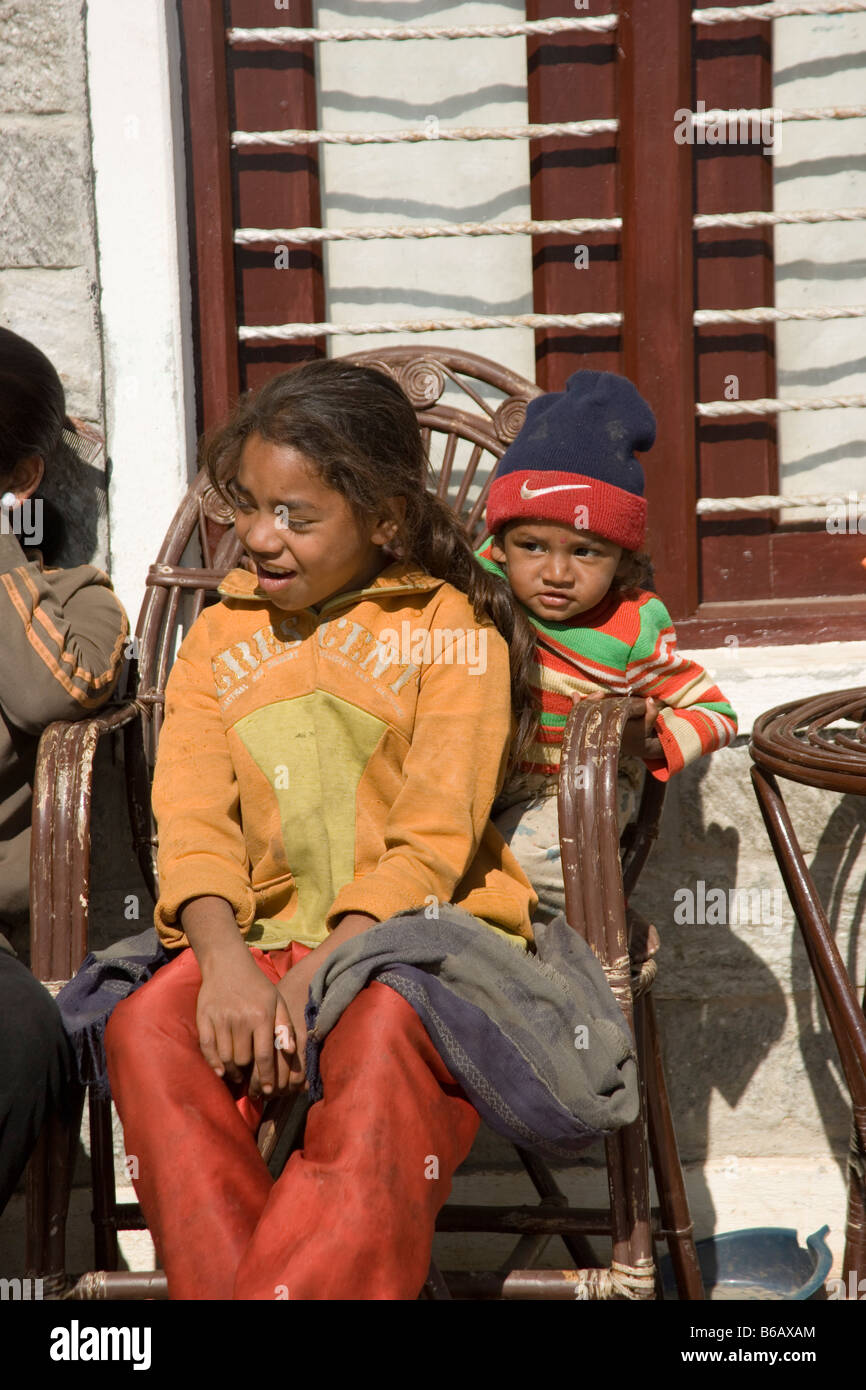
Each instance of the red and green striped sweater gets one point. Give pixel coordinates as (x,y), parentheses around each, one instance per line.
(625,646)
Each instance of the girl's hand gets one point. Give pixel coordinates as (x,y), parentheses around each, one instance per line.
(294,987)
(293,990)
(240,1017)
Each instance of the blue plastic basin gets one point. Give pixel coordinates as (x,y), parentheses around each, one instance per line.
(764,1262)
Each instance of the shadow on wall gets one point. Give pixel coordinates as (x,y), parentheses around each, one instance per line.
(722,1009)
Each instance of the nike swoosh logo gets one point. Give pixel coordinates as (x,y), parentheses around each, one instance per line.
(530,492)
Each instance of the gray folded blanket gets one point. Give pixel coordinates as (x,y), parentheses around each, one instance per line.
(87,1001)
(538,1042)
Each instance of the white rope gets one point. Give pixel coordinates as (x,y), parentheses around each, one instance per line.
(778,219)
(773,113)
(278,38)
(244,139)
(768,406)
(249,236)
(746,13)
(707,316)
(770,503)
(620,1281)
(285,332)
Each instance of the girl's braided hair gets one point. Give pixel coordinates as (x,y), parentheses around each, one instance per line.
(360,430)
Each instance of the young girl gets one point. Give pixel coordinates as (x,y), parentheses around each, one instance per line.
(317,774)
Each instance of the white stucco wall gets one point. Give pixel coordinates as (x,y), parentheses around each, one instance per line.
(140,198)
(49,276)
(821,61)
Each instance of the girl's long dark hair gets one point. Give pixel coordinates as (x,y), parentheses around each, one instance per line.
(360,429)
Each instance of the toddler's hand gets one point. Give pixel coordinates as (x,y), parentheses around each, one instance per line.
(637,740)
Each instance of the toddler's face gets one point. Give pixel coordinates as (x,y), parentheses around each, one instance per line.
(556,571)
(305,540)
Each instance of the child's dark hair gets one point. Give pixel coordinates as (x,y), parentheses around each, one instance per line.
(360,429)
(32,403)
(32,420)
(634,571)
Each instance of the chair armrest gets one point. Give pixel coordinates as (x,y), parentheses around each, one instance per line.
(60,842)
(595,903)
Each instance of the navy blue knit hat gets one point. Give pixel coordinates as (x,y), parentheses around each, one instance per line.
(573,461)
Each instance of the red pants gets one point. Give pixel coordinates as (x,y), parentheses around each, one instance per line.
(352,1215)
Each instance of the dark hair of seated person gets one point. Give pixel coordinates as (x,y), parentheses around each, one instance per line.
(32,420)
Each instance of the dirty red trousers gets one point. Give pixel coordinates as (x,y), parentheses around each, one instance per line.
(352,1214)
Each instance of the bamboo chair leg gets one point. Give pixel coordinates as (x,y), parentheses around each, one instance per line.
(632,1238)
(48,1187)
(435,1286)
(678,1228)
(106,1253)
(37,1223)
(628,1179)
(855,1224)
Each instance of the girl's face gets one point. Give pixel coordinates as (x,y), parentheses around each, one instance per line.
(556,571)
(306,542)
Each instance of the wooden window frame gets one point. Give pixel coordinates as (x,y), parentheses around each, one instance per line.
(656,273)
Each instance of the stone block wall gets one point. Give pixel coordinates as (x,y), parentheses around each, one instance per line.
(49,288)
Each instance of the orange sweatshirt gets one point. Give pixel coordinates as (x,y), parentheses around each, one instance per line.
(345,760)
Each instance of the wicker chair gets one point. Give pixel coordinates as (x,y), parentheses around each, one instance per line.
(466,434)
(821,742)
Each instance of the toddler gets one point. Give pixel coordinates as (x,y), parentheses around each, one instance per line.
(567,519)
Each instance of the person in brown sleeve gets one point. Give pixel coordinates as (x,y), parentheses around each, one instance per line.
(62,639)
